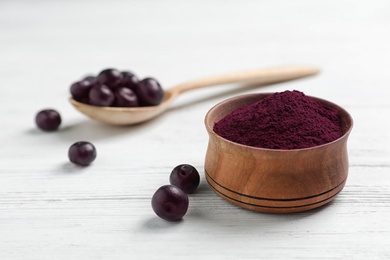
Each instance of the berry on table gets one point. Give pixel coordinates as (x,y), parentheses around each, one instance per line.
(82,153)
(170,203)
(48,120)
(186,177)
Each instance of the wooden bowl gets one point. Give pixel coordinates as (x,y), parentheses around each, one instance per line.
(270,180)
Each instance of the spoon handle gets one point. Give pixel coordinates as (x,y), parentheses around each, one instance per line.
(260,75)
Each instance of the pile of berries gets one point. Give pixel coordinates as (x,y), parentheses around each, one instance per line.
(115,88)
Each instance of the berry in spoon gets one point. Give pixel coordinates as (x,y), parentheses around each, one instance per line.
(101,95)
(80,90)
(129,80)
(110,77)
(149,92)
(125,97)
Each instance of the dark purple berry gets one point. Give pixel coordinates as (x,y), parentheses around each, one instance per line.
(110,77)
(80,89)
(48,120)
(101,95)
(125,97)
(185,177)
(126,73)
(149,92)
(170,203)
(92,79)
(129,80)
(82,153)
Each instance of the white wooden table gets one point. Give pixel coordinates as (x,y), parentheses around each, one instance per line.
(50,209)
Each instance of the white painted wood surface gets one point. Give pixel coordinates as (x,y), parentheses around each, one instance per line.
(50,209)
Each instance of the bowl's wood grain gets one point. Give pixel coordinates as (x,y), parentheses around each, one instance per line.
(268,180)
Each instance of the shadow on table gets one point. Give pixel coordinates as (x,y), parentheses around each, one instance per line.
(240,221)
(67,168)
(210,212)
(155,223)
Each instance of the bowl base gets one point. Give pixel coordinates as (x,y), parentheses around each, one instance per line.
(269,205)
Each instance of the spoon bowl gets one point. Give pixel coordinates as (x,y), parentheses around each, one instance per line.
(135,115)
(124,115)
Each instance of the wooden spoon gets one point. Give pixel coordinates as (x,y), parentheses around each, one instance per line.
(135,115)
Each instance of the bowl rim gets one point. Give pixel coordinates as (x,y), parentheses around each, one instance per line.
(210,129)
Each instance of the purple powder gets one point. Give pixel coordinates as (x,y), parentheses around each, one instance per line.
(285,120)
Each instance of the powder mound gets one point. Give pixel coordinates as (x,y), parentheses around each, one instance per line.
(285,120)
